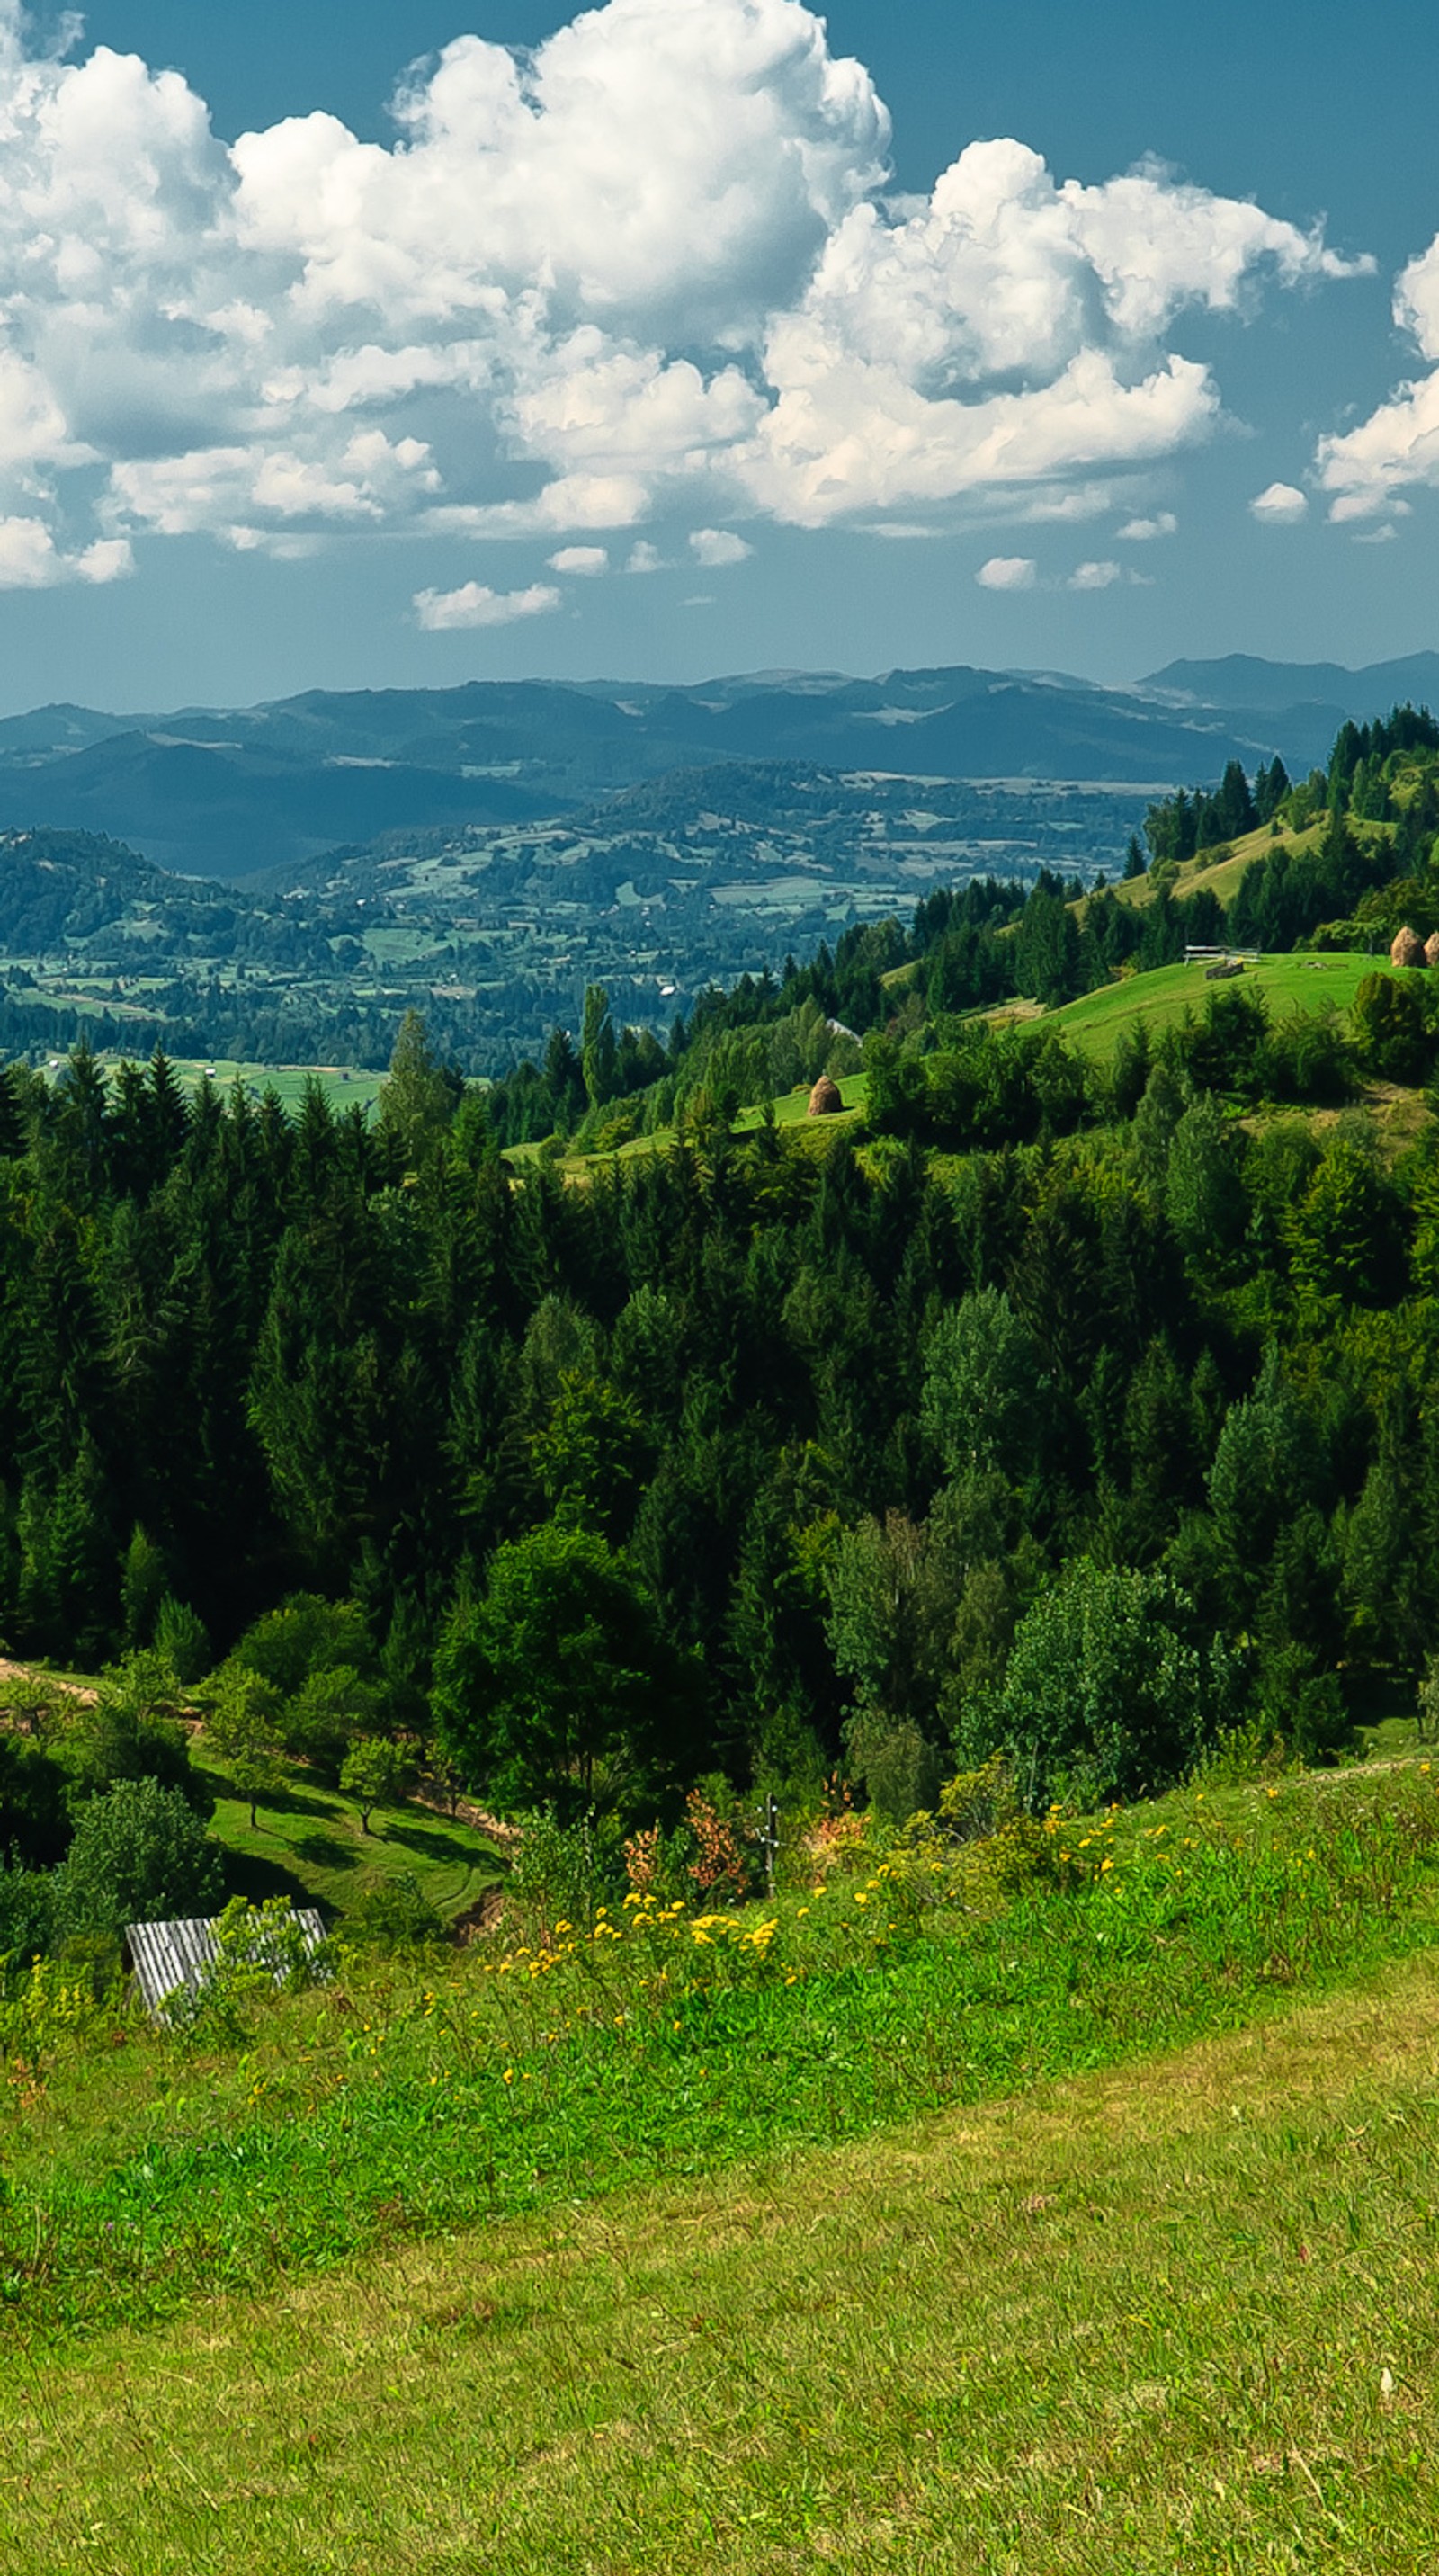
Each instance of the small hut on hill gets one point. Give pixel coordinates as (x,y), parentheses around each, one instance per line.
(825,1098)
(1407,948)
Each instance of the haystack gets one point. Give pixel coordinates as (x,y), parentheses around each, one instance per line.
(1431,949)
(825,1099)
(1407,948)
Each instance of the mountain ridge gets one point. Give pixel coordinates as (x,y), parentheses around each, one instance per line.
(232,793)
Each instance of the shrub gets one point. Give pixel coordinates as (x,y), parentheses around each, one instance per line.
(1107,1694)
(27,1912)
(34,1813)
(140,1854)
(562,1871)
(132,1733)
(307,1634)
(182,1638)
(394,1914)
(900,1768)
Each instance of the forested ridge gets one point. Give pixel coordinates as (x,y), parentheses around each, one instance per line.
(1077,1411)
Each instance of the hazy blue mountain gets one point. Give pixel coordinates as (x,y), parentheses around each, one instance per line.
(1239,680)
(235,792)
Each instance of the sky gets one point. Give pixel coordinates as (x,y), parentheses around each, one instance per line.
(366,343)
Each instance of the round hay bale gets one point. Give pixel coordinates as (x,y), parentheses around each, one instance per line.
(825,1098)
(1431,949)
(1407,948)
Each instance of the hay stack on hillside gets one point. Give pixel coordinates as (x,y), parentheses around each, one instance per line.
(1407,948)
(825,1098)
(1431,949)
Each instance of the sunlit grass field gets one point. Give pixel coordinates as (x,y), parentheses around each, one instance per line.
(957,2211)
(1307,984)
(309,1844)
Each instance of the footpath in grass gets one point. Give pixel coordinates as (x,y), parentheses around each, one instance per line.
(418,2100)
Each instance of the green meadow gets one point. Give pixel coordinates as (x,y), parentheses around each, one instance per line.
(310,1845)
(1064,2200)
(1300,983)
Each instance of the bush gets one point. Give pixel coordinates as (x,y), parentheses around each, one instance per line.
(394,1914)
(132,1733)
(900,1768)
(140,1855)
(562,1871)
(260,1950)
(1107,1695)
(307,1634)
(27,1913)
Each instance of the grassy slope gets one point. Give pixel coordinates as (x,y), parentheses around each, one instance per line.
(1136,2324)
(1222,879)
(1293,983)
(310,1846)
(1133,2319)
(791,1109)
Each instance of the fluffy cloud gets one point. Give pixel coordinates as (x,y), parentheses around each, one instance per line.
(31,560)
(1367,468)
(475,605)
(1007,572)
(648,267)
(1141,532)
(585,561)
(1279,505)
(717,547)
(1095,576)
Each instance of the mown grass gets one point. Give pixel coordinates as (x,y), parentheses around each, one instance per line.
(414,2100)
(1307,984)
(308,1843)
(1174,2320)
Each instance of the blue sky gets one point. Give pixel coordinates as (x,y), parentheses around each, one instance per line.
(714,338)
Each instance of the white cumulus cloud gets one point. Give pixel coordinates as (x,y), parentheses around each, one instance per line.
(473,604)
(1007,572)
(1279,505)
(716,547)
(1141,532)
(1095,576)
(650,267)
(1398,445)
(584,561)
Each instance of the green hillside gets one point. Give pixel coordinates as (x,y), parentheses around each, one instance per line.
(938,2215)
(1098,1021)
(308,1844)
(1218,871)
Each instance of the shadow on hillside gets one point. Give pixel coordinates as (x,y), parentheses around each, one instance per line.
(322,1851)
(247,1874)
(303,1802)
(429,1844)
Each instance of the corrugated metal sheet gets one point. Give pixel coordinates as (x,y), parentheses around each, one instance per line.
(167,1955)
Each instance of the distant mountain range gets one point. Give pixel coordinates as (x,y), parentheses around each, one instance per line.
(239,792)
